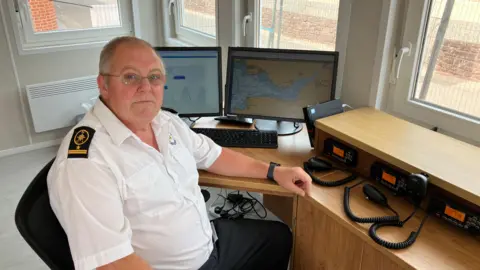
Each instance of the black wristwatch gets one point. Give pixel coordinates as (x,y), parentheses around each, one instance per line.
(270,170)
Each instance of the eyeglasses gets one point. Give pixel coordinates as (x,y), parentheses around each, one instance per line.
(135,79)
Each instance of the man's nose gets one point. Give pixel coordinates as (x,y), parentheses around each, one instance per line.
(144,85)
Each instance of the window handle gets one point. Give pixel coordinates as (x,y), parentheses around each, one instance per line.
(247,18)
(398,61)
(170,5)
(15,3)
(20,10)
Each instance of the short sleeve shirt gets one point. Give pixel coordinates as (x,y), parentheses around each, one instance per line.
(124,196)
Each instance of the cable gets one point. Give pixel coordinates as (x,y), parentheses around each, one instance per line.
(321,182)
(218,196)
(241,206)
(264,209)
(410,216)
(346,106)
(379,222)
(189,118)
(401,245)
(348,211)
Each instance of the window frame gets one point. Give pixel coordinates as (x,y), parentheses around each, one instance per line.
(177,35)
(401,90)
(29,42)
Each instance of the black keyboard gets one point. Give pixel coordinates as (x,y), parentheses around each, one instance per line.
(240,137)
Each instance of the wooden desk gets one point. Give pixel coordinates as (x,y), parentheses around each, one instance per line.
(324,238)
(327,239)
(292,150)
(451,164)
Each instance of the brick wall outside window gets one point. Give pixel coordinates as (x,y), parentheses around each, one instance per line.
(44,16)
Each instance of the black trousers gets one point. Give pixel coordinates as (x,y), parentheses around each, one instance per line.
(250,244)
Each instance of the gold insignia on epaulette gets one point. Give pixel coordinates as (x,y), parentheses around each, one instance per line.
(80,142)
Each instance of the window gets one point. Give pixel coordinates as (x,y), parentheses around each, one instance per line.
(296,24)
(195,21)
(301,25)
(42,24)
(439,78)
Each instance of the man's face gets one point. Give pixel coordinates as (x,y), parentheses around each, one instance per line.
(133,99)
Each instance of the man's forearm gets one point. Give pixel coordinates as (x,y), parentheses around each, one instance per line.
(131,261)
(232,163)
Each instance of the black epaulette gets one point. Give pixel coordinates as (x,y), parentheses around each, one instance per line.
(80,142)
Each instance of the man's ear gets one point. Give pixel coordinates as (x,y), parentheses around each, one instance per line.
(102,85)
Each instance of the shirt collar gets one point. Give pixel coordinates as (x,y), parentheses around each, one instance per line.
(161,119)
(117,130)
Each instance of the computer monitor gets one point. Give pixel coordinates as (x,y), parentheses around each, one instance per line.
(274,85)
(194,80)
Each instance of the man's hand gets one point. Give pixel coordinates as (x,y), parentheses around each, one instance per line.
(294,179)
(232,163)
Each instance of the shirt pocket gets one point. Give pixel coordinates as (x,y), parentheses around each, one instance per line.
(186,168)
(150,192)
(183,157)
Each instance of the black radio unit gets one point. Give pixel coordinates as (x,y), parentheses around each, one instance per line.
(340,152)
(389,177)
(455,214)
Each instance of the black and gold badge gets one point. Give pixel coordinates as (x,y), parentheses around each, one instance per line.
(80,142)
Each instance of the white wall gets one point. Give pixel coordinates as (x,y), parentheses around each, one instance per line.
(150,22)
(361,52)
(13,131)
(16,126)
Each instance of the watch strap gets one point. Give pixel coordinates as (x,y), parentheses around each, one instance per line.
(270,170)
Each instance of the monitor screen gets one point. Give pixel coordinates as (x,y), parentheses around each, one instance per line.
(193,85)
(277,84)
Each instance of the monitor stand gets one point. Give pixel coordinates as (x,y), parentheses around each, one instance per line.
(187,121)
(235,119)
(282,127)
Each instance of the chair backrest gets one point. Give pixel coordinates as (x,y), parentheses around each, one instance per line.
(39,226)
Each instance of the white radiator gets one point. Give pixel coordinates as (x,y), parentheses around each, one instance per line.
(56,104)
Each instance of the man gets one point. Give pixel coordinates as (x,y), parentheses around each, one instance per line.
(124,185)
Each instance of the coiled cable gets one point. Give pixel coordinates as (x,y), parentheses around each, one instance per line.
(348,211)
(372,232)
(328,183)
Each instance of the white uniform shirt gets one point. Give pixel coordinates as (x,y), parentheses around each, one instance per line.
(126,196)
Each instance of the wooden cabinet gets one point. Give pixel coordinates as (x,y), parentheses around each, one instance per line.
(373,259)
(323,243)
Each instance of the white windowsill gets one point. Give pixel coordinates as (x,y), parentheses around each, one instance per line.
(175,42)
(56,48)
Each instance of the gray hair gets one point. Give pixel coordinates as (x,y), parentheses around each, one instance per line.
(109,49)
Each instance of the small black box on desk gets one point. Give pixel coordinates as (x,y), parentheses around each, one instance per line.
(317,111)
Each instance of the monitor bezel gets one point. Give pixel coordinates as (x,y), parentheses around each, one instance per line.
(217,49)
(228,86)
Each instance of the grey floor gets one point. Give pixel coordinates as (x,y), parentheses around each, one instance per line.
(16,172)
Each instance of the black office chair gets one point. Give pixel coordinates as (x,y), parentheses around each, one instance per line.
(39,226)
